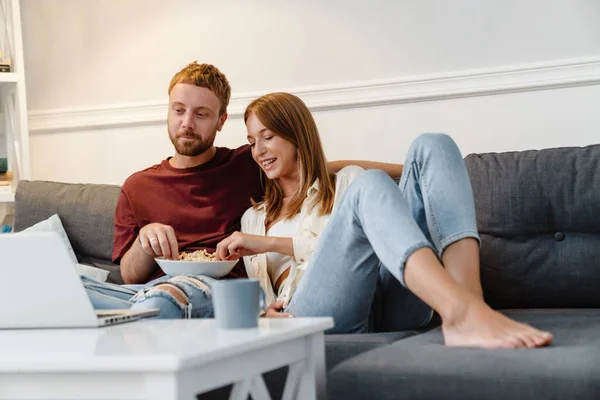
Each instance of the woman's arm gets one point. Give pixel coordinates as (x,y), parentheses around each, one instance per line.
(281,245)
(393,170)
(241,244)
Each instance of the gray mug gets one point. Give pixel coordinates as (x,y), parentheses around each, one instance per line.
(237,303)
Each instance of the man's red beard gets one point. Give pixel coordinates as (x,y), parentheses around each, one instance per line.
(193,146)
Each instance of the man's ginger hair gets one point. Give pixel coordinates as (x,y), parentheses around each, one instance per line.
(207,76)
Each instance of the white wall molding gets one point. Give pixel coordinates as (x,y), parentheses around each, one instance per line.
(481,82)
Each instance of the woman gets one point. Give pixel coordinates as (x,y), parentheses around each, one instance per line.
(325,245)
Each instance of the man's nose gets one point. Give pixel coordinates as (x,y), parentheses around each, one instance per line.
(189,121)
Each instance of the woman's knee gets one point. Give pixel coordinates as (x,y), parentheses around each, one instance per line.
(426,142)
(369,186)
(430,139)
(372,179)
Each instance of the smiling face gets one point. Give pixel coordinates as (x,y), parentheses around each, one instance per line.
(193,119)
(276,156)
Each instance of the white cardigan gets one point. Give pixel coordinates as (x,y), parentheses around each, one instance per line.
(309,228)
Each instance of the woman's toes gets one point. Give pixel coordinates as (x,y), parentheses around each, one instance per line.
(506,344)
(543,338)
(529,340)
(520,343)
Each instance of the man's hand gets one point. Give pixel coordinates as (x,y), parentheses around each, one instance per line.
(159,240)
(241,244)
(274,311)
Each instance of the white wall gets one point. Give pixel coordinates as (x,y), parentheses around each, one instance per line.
(86,57)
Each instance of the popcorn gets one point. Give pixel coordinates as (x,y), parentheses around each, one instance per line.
(198,255)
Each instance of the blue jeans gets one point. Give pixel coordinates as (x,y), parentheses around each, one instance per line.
(357,270)
(196,289)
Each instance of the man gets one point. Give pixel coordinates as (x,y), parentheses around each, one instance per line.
(190,201)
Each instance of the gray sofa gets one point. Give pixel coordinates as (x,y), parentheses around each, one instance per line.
(538,213)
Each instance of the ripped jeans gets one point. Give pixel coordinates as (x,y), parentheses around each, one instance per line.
(195,289)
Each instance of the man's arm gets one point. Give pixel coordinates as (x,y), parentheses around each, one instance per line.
(135,251)
(137,266)
(393,170)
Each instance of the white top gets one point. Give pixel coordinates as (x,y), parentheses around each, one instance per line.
(310,226)
(147,345)
(277,263)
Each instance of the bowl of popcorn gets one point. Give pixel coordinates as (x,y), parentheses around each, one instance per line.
(199,262)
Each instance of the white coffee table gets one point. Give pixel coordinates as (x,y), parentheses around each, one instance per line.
(163,359)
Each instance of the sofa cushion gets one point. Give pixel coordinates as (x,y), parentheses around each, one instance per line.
(539,221)
(341,347)
(86,211)
(421,367)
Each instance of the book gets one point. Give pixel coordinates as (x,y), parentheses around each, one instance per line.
(6,176)
(3,164)
(6,182)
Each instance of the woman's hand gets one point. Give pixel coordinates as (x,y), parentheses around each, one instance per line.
(274,311)
(241,244)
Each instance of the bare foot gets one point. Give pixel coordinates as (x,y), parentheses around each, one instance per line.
(477,325)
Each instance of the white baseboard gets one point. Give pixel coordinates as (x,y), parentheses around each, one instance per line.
(481,82)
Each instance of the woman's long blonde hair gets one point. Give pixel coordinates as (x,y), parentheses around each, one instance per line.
(287,116)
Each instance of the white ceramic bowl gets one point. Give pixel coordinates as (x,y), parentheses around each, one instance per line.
(212,269)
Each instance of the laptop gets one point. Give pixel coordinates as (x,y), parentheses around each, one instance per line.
(40,287)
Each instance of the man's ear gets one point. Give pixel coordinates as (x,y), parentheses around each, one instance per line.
(222,120)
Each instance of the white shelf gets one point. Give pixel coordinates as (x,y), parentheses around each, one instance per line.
(10,77)
(7,197)
(13,99)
